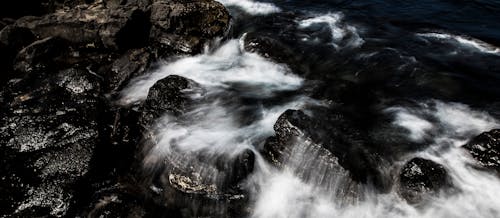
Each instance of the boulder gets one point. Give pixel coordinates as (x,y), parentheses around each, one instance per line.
(62,140)
(200,185)
(197,183)
(420,178)
(40,55)
(93,26)
(337,138)
(185,26)
(131,64)
(166,96)
(275,50)
(48,132)
(485,148)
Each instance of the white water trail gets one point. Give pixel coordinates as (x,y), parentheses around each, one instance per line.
(465,42)
(252,7)
(307,186)
(340,31)
(226,66)
(235,84)
(283,194)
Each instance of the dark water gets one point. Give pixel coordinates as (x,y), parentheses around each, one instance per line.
(404,64)
(417,78)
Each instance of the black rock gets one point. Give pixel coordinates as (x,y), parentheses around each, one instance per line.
(420,177)
(48,132)
(185,26)
(16,38)
(200,185)
(93,26)
(39,55)
(275,50)
(133,63)
(166,96)
(12,40)
(196,183)
(485,148)
(338,139)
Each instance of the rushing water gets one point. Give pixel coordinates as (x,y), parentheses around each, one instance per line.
(431,67)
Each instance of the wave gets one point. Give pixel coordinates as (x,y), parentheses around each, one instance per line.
(252,7)
(342,34)
(466,42)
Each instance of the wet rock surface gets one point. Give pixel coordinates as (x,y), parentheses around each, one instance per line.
(49,133)
(336,139)
(485,148)
(188,23)
(67,149)
(420,178)
(71,149)
(169,95)
(194,183)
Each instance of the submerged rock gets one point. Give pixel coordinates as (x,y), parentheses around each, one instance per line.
(485,148)
(420,178)
(197,183)
(275,50)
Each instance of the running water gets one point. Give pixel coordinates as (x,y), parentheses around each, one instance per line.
(242,94)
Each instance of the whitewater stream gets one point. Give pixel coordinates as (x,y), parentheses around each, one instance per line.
(241,94)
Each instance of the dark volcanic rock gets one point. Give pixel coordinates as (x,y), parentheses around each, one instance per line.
(49,130)
(185,26)
(57,133)
(39,55)
(420,177)
(273,49)
(201,185)
(166,96)
(485,148)
(16,38)
(12,40)
(93,26)
(133,63)
(196,183)
(336,136)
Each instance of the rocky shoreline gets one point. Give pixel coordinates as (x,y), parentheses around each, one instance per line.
(70,150)
(66,145)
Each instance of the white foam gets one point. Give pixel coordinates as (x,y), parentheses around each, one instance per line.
(252,7)
(283,195)
(214,124)
(454,124)
(465,42)
(214,127)
(451,119)
(339,30)
(416,126)
(228,64)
